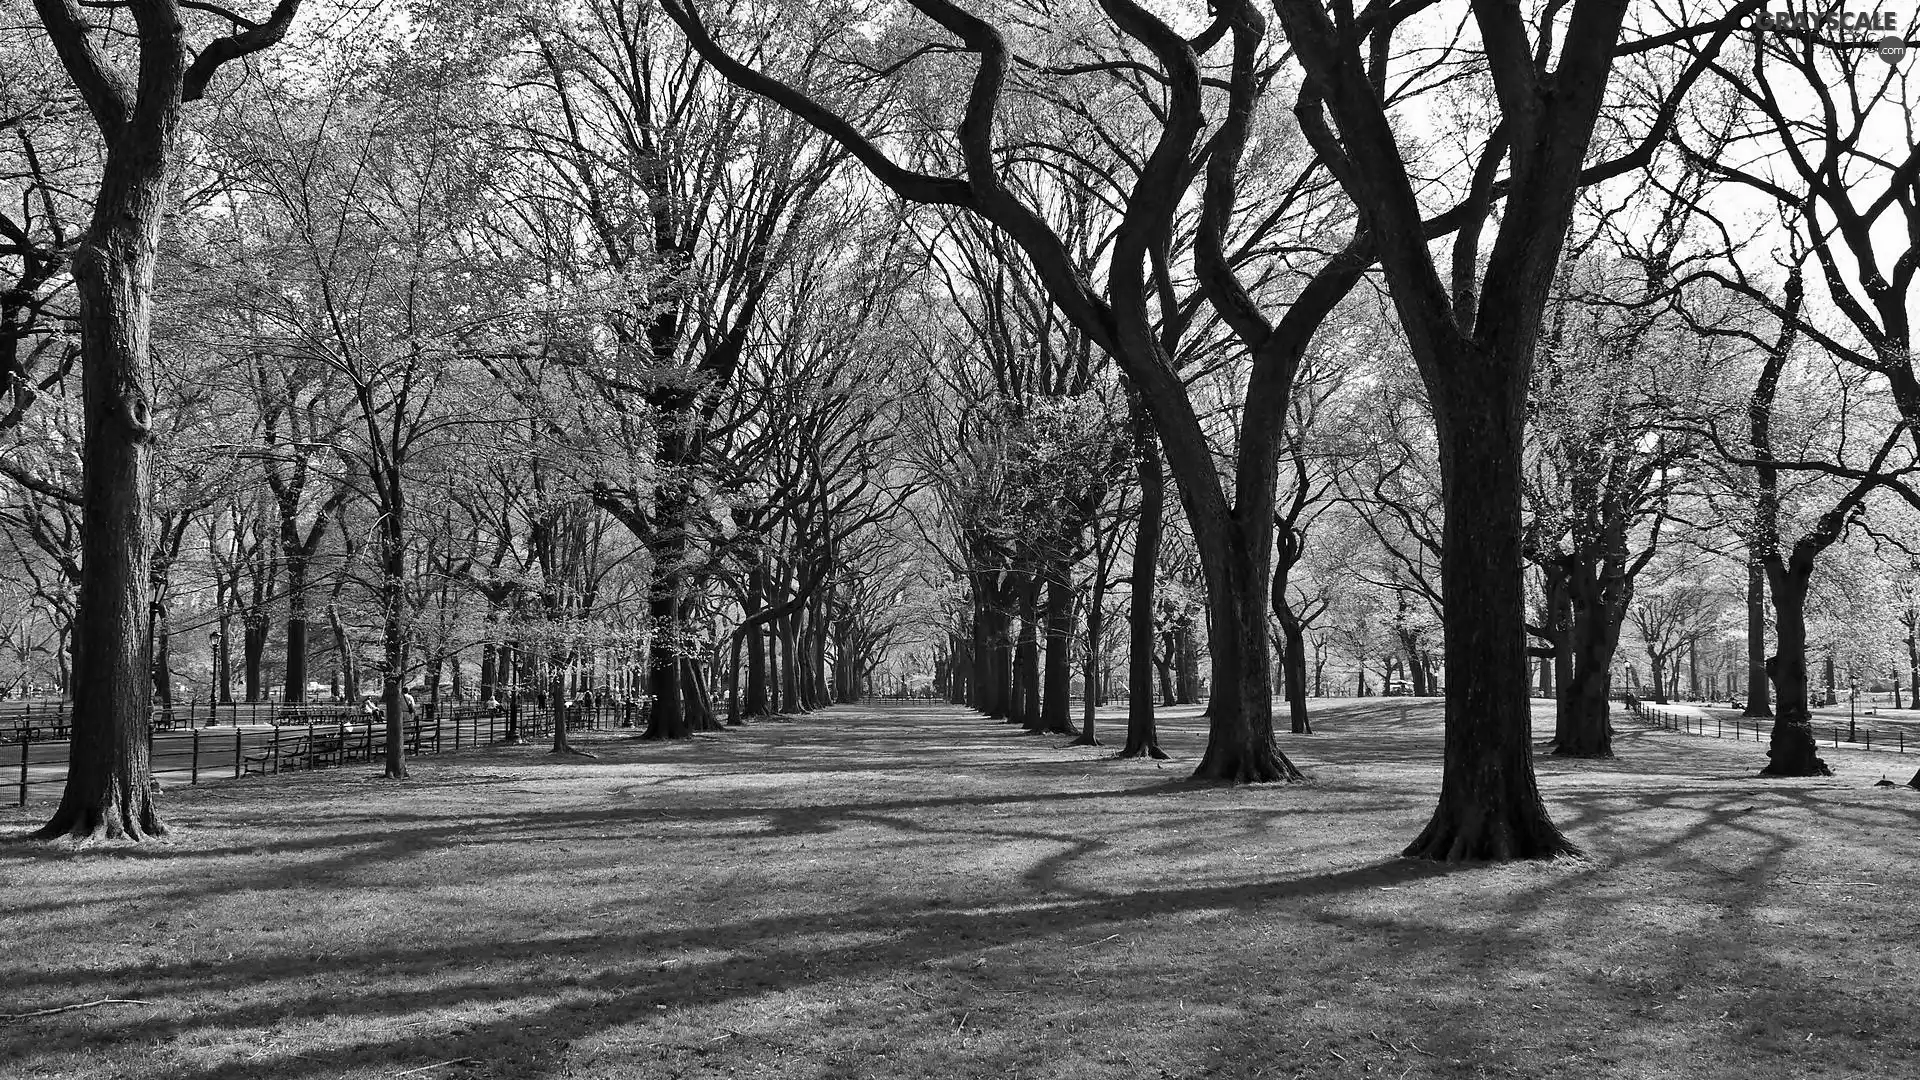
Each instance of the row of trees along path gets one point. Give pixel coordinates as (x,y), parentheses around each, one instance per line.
(1109,196)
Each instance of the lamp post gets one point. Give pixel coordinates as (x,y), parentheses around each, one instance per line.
(213,684)
(1853,692)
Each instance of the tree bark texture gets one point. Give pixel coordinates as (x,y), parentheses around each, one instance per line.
(1489,806)
(1791,750)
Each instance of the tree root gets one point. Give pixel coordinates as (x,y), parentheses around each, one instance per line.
(1477,836)
(568,751)
(1246,765)
(1818,768)
(93,825)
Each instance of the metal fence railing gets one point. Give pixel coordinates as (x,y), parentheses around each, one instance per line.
(301,739)
(1892,737)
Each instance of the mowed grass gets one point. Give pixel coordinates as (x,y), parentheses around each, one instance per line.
(916,892)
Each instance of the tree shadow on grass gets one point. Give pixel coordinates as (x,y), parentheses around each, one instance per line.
(523,996)
(763,956)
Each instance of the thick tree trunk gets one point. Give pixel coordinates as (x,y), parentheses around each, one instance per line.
(1236,554)
(1584,725)
(667,719)
(734,674)
(1056,714)
(1791,751)
(1143,736)
(1026,657)
(959,668)
(818,694)
(1656,662)
(108,793)
(1001,646)
(296,681)
(1240,738)
(1489,805)
(1186,662)
(253,643)
(1294,661)
(790,700)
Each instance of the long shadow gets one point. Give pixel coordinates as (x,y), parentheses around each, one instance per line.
(389,838)
(768,955)
(798,950)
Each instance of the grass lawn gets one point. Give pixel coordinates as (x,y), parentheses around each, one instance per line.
(919,893)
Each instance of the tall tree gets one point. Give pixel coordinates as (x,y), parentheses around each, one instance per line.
(135,102)
(1473,339)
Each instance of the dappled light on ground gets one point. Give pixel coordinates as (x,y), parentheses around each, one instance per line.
(916,892)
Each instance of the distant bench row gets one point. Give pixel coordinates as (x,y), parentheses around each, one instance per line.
(319,747)
(52,722)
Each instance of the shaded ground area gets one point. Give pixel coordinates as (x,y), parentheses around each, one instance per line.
(920,893)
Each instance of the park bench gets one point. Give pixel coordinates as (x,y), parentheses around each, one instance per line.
(279,754)
(39,730)
(308,750)
(329,748)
